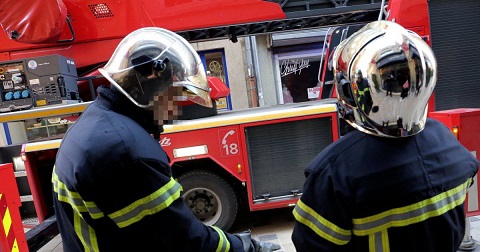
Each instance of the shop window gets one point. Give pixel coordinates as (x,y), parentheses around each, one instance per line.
(297,73)
(215,66)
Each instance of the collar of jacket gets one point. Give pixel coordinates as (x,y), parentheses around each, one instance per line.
(112,99)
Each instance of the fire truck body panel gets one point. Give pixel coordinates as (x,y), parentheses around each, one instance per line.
(105,23)
(400,12)
(260,151)
(236,141)
(465,124)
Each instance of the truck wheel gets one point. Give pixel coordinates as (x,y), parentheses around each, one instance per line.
(210,198)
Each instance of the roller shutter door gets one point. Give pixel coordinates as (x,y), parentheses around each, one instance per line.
(455,29)
(279,153)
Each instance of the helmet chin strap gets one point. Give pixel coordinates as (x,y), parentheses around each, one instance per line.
(344,111)
(347,93)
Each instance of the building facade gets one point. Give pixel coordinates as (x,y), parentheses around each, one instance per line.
(267,69)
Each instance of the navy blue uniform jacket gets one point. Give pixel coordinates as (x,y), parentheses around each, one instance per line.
(114,191)
(367,193)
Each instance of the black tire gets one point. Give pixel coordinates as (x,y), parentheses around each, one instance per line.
(211,199)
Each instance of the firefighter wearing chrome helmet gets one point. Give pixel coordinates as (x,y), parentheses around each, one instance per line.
(113,186)
(397,182)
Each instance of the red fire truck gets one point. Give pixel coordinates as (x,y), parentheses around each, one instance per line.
(252,158)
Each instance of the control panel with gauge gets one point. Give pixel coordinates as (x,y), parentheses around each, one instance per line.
(39,81)
(15,94)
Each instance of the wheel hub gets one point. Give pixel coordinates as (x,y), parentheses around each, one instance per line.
(204,204)
(201,204)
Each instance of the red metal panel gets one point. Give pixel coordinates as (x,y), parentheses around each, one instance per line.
(98,51)
(34,162)
(42,26)
(101,25)
(8,184)
(219,89)
(5,241)
(33,181)
(468,123)
(213,138)
(8,242)
(12,236)
(401,11)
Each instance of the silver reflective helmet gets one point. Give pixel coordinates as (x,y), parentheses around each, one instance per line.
(384,76)
(150,60)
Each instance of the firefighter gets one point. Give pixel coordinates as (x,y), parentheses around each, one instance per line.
(397,182)
(363,96)
(113,186)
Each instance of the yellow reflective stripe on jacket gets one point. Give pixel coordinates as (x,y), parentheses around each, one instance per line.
(149,205)
(223,243)
(324,228)
(85,233)
(411,214)
(74,199)
(378,242)
(362,92)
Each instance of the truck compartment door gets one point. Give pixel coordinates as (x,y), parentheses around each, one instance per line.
(279,153)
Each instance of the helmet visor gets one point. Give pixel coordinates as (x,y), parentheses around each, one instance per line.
(188,71)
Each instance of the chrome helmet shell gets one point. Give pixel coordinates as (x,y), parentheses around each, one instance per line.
(384,77)
(150,60)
